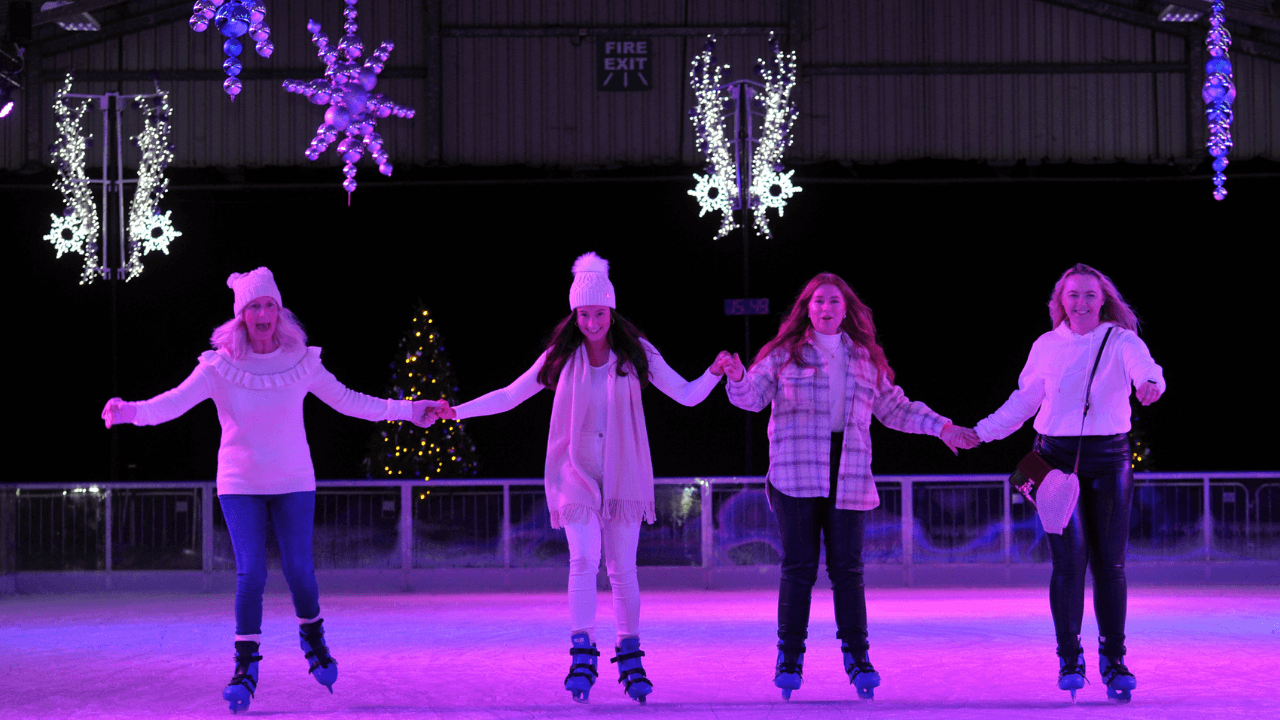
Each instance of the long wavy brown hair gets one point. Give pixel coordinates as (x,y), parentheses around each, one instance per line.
(1114,308)
(857,323)
(623,338)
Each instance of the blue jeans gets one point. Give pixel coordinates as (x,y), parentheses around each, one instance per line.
(293,515)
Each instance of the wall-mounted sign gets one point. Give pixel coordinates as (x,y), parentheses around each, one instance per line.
(746,306)
(624,64)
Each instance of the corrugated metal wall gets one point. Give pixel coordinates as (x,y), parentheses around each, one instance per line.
(885,80)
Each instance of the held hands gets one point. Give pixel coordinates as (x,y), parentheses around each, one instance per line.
(118,412)
(426,412)
(959,438)
(1148,392)
(727,364)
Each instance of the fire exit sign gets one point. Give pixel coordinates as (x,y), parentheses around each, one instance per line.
(624,64)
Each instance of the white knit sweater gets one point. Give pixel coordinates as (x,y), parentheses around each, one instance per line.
(259,398)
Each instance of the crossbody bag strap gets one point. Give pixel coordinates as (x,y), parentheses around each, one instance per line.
(1088,390)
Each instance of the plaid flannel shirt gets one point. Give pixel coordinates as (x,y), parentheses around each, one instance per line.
(800,422)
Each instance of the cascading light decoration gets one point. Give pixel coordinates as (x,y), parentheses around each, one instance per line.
(234,19)
(76,230)
(770,186)
(148,229)
(717,191)
(353,108)
(1218,93)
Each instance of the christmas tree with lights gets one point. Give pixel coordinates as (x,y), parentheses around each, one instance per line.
(421,371)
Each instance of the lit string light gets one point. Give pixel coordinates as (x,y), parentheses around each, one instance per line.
(234,19)
(76,230)
(353,108)
(717,191)
(762,184)
(1218,93)
(770,186)
(148,229)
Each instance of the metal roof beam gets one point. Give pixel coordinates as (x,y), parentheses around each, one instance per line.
(132,25)
(993,69)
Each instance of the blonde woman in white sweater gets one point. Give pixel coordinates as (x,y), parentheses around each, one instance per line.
(257,375)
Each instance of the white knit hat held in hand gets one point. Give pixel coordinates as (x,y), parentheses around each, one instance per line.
(251,285)
(1056,499)
(591,284)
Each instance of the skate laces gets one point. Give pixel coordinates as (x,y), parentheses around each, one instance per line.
(318,654)
(1115,668)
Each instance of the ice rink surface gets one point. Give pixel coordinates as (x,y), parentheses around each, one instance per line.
(1205,652)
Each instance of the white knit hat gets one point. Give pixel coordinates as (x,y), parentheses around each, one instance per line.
(591,284)
(251,285)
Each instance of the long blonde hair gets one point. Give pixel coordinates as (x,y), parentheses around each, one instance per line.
(233,335)
(1114,309)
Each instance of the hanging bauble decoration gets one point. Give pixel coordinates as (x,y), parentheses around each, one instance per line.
(347,88)
(234,19)
(1218,93)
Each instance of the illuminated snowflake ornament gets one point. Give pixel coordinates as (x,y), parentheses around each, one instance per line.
(1218,93)
(744,171)
(770,188)
(148,229)
(347,88)
(76,231)
(234,19)
(717,191)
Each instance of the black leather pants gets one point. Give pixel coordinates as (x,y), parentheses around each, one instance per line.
(806,525)
(1097,535)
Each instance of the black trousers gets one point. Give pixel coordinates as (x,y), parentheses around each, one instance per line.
(1097,535)
(807,524)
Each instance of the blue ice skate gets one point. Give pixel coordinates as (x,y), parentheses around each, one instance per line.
(788,674)
(862,675)
(630,673)
(244,682)
(1071,675)
(582,670)
(322,665)
(1120,682)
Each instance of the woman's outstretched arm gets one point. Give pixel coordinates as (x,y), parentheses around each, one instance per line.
(162,408)
(504,399)
(676,387)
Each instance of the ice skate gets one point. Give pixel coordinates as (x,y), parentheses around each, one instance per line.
(244,681)
(1071,675)
(1120,682)
(322,665)
(630,673)
(862,675)
(582,670)
(787,676)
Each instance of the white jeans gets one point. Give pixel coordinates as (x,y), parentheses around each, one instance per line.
(620,542)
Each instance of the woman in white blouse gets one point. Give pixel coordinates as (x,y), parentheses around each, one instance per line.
(1086,310)
(598,472)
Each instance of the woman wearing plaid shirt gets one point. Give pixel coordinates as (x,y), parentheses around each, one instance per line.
(825,377)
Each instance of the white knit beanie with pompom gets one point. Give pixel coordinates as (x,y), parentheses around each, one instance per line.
(252,285)
(591,284)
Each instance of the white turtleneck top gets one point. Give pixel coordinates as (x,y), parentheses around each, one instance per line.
(832,351)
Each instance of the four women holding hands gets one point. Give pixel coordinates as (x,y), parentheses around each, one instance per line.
(824,376)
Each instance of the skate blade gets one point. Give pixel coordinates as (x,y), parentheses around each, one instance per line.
(581,698)
(1073,696)
(1119,697)
(786,693)
(868,694)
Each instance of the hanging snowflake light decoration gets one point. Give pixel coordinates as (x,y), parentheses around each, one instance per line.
(148,229)
(76,230)
(717,191)
(353,108)
(234,19)
(1218,93)
(770,187)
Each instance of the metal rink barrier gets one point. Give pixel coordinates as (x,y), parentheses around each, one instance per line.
(701,522)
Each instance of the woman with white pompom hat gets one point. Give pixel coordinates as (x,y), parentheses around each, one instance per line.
(257,375)
(598,472)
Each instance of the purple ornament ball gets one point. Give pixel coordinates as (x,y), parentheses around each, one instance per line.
(385,169)
(232,47)
(349,185)
(1219,193)
(231,66)
(199,23)
(367,78)
(265,48)
(1220,164)
(259,31)
(232,86)
(232,20)
(338,117)
(257,12)
(320,98)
